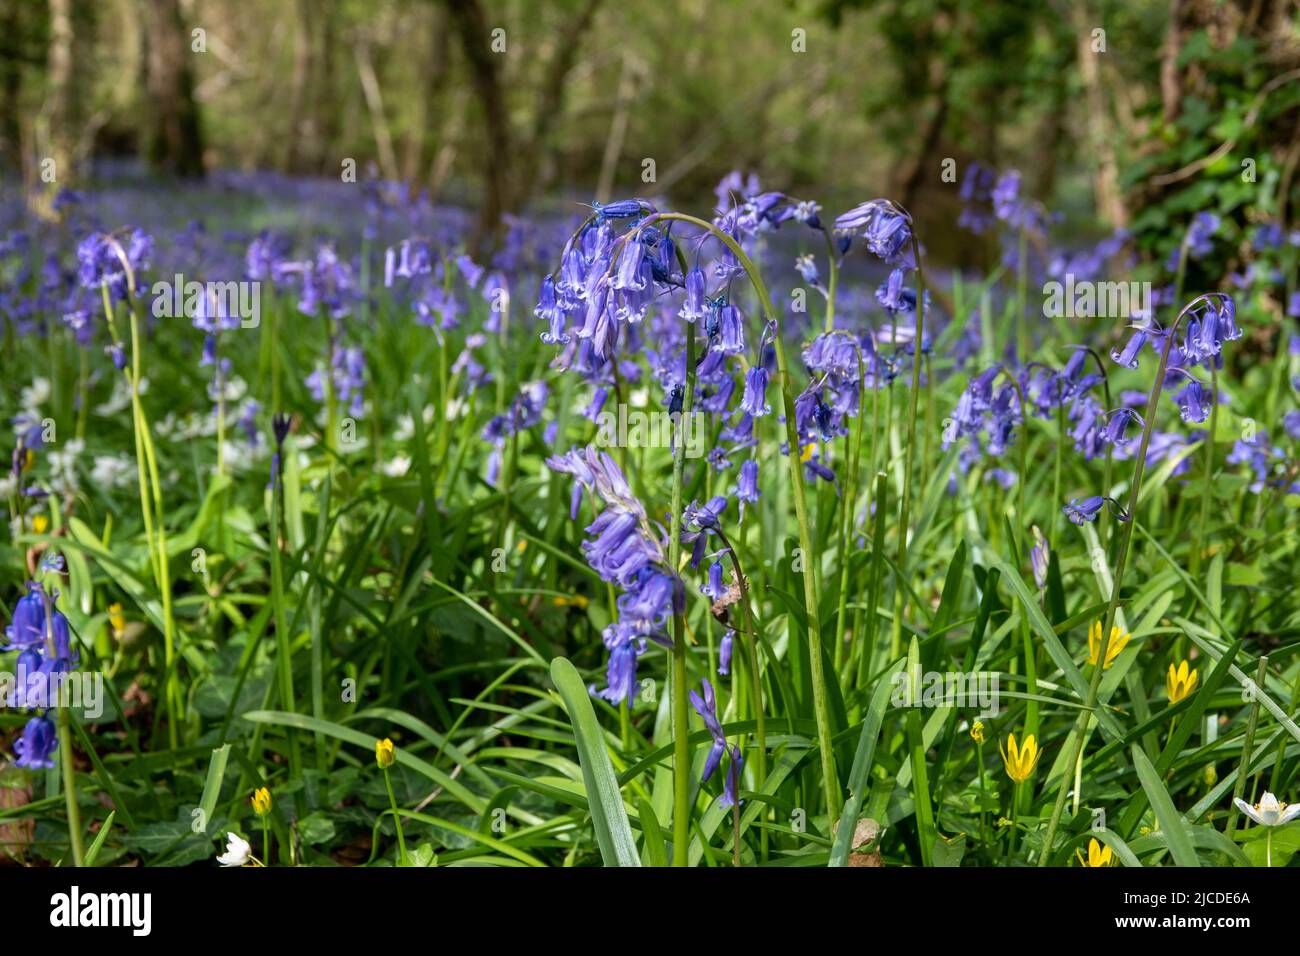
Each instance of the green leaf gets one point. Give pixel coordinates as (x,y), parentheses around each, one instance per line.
(608,815)
(93,853)
(860,773)
(1171,823)
(212,785)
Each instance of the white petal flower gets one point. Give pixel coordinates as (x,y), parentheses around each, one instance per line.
(1270,811)
(238,852)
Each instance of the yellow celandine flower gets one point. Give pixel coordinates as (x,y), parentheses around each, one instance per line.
(576,600)
(262,801)
(116,619)
(977,732)
(1098,855)
(1118,641)
(384,753)
(809,450)
(1180,681)
(29,459)
(40,524)
(1020,761)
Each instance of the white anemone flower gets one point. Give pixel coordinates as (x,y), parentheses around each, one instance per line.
(238,852)
(1269,812)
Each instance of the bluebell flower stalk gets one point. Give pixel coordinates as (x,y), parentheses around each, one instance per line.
(123,286)
(1079,733)
(830,782)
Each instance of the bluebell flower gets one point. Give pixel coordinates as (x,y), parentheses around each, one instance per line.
(806,266)
(696,303)
(698,523)
(1080,511)
(731,789)
(714,586)
(1128,356)
(707,707)
(886,229)
(747,484)
(731,330)
(1116,430)
(620,671)
(754,401)
(1194,402)
(28,625)
(37,744)
(725,648)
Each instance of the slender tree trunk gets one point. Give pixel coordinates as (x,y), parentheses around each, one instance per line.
(174,141)
(63,100)
(485,75)
(1101,136)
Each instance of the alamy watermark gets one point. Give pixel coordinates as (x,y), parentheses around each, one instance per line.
(35,689)
(235,300)
(636,429)
(979,689)
(1084,299)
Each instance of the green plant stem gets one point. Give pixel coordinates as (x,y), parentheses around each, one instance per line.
(397,818)
(1247,746)
(680,700)
(70,787)
(905,504)
(830,782)
(1078,734)
(833,271)
(1198,541)
(755,676)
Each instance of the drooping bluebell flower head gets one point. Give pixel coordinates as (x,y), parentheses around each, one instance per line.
(1117,423)
(707,707)
(1194,401)
(698,523)
(37,744)
(28,626)
(1081,511)
(886,229)
(754,401)
(104,260)
(746,491)
(725,648)
(714,587)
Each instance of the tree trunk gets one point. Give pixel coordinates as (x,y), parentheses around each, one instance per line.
(498,195)
(174,141)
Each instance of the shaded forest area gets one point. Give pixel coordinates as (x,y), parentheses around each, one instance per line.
(1111,109)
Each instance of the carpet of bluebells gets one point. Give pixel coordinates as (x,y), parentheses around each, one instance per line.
(728,532)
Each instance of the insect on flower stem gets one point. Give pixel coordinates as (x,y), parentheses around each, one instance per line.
(1077,735)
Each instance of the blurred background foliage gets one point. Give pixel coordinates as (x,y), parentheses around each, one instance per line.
(1120,113)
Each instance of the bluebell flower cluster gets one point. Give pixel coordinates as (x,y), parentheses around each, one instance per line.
(40,634)
(623,550)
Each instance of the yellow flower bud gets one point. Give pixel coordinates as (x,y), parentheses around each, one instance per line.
(384,753)
(262,801)
(977,731)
